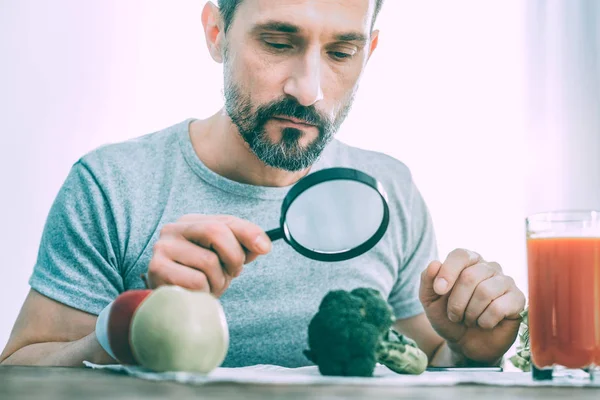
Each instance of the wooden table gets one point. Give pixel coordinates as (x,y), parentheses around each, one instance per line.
(78,383)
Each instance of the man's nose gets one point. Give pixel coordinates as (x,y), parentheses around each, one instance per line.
(305,81)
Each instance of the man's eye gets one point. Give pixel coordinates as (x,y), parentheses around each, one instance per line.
(338,55)
(278,46)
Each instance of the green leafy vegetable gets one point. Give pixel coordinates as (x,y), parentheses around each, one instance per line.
(352,332)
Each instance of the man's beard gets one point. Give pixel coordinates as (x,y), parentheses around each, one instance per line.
(287,154)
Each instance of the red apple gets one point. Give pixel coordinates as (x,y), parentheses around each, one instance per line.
(166,329)
(119,324)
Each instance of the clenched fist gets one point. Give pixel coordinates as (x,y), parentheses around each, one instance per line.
(201,252)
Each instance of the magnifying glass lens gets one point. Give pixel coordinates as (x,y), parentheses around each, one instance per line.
(335,216)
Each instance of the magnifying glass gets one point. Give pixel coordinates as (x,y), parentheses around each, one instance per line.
(334,214)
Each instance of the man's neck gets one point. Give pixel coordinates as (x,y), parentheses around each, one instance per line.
(221,148)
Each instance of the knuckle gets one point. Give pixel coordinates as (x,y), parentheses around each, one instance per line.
(156,273)
(510,282)
(496,266)
(210,259)
(466,255)
(485,323)
(159,247)
(485,292)
(252,228)
(495,311)
(185,218)
(490,269)
(200,281)
(154,266)
(169,229)
(214,229)
(458,251)
(226,218)
(455,308)
(471,315)
(470,276)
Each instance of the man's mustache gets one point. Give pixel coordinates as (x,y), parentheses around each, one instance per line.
(292,109)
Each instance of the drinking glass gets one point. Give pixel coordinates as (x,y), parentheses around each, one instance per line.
(563,256)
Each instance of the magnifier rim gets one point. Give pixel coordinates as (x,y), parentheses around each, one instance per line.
(331,174)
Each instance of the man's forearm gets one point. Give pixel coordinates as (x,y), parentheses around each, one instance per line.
(63,354)
(444,356)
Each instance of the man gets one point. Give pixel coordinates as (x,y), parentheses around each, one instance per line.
(190,206)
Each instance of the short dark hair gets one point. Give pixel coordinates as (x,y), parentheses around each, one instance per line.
(228,7)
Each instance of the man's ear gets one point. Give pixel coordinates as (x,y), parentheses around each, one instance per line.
(213,30)
(374,41)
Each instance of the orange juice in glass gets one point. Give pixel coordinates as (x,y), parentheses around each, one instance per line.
(563,256)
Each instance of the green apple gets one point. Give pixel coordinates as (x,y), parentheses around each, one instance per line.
(176,329)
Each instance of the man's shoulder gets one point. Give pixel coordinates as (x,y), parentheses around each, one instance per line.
(146,152)
(382,166)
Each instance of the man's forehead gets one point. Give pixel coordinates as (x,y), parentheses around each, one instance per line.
(344,15)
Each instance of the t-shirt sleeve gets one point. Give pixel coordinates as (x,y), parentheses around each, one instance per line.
(421,249)
(77,264)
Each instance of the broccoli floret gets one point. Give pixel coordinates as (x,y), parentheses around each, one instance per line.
(352,332)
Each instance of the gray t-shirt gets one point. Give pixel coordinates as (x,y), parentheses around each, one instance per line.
(100,232)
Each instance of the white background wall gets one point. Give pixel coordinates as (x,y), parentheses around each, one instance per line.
(445,92)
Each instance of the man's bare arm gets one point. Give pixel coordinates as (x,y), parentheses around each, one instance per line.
(52,334)
(420,330)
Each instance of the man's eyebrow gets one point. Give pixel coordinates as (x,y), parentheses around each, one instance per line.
(276,26)
(351,37)
(285,27)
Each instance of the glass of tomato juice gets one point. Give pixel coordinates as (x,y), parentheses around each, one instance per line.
(563,257)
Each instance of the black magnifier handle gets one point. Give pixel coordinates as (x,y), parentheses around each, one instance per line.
(275,234)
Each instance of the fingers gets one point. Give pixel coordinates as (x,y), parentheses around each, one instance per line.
(251,236)
(190,255)
(507,306)
(236,241)
(451,269)
(217,237)
(426,292)
(468,283)
(466,289)
(205,252)
(162,271)
(485,293)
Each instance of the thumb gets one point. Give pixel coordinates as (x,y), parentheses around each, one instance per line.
(427,293)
